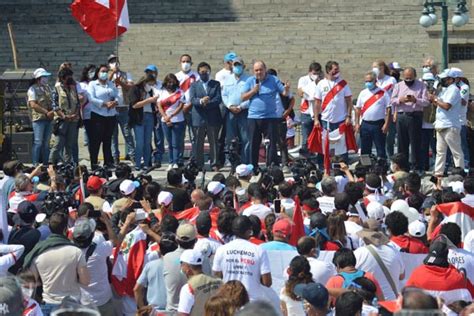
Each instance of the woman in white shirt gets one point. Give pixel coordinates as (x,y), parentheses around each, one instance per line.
(299,272)
(89,73)
(170,105)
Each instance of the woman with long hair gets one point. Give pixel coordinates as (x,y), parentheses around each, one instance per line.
(170,105)
(218,305)
(89,73)
(337,233)
(141,117)
(236,292)
(299,272)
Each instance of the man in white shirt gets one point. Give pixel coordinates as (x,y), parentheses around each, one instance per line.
(373,108)
(258,206)
(447,123)
(320,270)
(329,189)
(243,261)
(460,79)
(226,72)
(306,84)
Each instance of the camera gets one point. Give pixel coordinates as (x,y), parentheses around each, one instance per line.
(58,202)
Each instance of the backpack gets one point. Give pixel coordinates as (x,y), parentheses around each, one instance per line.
(350,277)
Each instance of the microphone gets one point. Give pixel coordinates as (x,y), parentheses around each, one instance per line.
(257,82)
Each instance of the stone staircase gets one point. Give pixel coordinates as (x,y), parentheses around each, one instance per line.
(287,34)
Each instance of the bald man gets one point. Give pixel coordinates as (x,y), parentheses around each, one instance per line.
(262,90)
(409,97)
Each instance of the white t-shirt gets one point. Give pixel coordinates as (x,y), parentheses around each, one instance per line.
(186,300)
(378,109)
(293,308)
(463,261)
(326,204)
(387,83)
(392,260)
(336,110)
(208,247)
(99,291)
(164,94)
(260,210)
(322,271)
(243,261)
(352,229)
(449,118)
(222,76)
(182,77)
(307,85)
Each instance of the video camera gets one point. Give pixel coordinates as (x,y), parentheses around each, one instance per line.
(58,202)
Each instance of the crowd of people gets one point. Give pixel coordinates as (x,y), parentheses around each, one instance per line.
(291,238)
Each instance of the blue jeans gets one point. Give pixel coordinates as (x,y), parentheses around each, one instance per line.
(237,127)
(41,136)
(371,132)
(175,137)
(307,124)
(159,142)
(122,121)
(143,134)
(332,127)
(47,308)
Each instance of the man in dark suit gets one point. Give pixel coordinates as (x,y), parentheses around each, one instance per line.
(205,96)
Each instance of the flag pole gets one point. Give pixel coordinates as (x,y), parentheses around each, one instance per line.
(116,30)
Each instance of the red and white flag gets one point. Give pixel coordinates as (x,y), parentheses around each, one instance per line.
(459,213)
(129,260)
(101,18)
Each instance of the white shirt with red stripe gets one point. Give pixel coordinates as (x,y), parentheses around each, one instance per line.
(32,308)
(164,94)
(387,83)
(378,109)
(182,77)
(307,101)
(336,110)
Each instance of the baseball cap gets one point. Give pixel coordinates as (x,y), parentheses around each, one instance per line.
(314,293)
(229,56)
(83,228)
(186,231)
(375,211)
(27,211)
(127,187)
(41,72)
(428,76)
(237,60)
(95,183)
(11,302)
(417,229)
(191,256)
(438,254)
(111,56)
(215,187)
(282,228)
(445,74)
(244,170)
(457,72)
(395,65)
(165,198)
(151,67)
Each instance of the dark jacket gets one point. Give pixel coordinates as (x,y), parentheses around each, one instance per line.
(210,114)
(137,94)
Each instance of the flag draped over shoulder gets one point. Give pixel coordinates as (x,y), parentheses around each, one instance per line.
(459,213)
(100,18)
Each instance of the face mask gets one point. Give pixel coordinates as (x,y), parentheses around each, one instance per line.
(370,85)
(103,75)
(70,81)
(170,87)
(114,65)
(313,77)
(44,81)
(426,70)
(185,67)
(238,70)
(204,77)
(427,218)
(376,71)
(409,82)
(91,75)
(27,292)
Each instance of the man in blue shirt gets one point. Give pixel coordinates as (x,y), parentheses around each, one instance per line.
(237,127)
(262,91)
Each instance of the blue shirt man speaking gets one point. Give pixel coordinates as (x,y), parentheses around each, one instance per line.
(262,90)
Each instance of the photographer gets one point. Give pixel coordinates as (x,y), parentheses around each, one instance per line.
(95,187)
(66,120)
(112,187)
(128,189)
(181,198)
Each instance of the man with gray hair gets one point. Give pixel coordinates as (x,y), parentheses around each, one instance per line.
(329,189)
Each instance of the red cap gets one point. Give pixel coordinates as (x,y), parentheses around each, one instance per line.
(95,183)
(282,227)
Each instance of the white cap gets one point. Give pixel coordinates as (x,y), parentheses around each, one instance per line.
(412,215)
(448,73)
(127,187)
(41,72)
(457,186)
(244,170)
(417,229)
(428,76)
(165,198)
(40,217)
(396,65)
(375,211)
(215,187)
(399,205)
(457,72)
(469,241)
(191,256)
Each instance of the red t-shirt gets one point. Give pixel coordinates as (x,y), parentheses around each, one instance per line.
(409,244)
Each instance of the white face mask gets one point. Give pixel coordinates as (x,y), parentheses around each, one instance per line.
(27,292)
(44,81)
(91,75)
(376,71)
(426,70)
(313,77)
(185,66)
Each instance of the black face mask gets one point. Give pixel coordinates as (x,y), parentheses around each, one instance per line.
(409,82)
(171,87)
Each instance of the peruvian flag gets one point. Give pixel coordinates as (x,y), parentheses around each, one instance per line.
(100,18)
(459,213)
(192,213)
(298,225)
(446,283)
(129,260)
